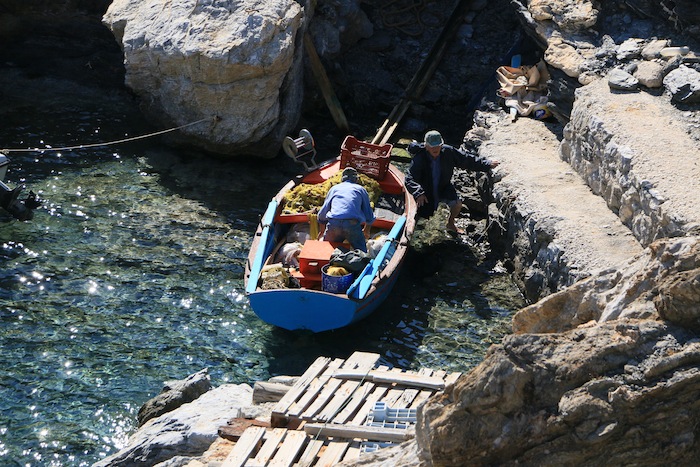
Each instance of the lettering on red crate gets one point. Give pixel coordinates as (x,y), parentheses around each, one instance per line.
(369,159)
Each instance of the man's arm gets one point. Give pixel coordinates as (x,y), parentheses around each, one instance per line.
(470,161)
(323,212)
(415,175)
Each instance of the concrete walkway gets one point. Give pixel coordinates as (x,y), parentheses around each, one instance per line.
(561,219)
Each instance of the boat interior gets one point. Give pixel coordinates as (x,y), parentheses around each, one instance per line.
(300,252)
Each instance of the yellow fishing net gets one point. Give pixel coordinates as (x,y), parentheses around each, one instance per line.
(305,197)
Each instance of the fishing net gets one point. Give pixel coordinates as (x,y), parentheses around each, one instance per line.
(306,197)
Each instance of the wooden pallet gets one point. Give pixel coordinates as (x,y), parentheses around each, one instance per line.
(344,391)
(328,407)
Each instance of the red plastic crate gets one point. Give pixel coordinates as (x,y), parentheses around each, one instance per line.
(369,159)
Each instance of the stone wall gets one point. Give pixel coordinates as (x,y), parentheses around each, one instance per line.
(527,238)
(624,162)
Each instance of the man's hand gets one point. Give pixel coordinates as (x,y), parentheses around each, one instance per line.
(494,163)
(421,200)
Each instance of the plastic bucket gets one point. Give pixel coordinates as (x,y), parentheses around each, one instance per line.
(334,284)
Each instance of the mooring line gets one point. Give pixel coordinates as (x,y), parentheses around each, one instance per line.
(109,143)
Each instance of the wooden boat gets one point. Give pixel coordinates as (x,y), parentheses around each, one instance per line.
(302,303)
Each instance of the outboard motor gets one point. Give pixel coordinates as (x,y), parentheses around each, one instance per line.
(22,209)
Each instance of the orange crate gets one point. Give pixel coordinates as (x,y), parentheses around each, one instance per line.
(369,159)
(314,255)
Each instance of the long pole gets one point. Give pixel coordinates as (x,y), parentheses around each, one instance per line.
(422,77)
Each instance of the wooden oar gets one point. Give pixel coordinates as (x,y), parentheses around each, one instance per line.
(362,285)
(260,253)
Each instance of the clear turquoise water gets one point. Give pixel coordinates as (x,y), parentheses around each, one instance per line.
(131,274)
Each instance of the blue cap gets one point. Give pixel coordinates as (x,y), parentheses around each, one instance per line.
(433,138)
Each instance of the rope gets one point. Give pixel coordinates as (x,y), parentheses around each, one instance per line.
(313,225)
(109,143)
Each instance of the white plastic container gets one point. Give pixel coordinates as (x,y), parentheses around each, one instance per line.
(674,51)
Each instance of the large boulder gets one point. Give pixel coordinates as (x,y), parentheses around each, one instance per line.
(621,393)
(234,66)
(174,394)
(186,431)
(663,282)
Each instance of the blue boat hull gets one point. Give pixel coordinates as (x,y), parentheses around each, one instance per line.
(313,310)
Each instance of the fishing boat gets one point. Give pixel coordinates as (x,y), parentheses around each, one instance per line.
(286,277)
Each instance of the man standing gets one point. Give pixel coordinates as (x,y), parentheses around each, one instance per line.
(429,177)
(346,208)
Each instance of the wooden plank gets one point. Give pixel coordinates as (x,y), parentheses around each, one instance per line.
(249,442)
(264,391)
(424,393)
(420,397)
(452,378)
(235,427)
(325,84)
(270,444)
(309,456)
(373,397)
(293,443)
(330,387)
(357,399)
(312,390)
(372,433)
(333,453)
(408,396)
(340,397)
(361,361)
(279,417)
(389,377)
(353,452)
(392,397)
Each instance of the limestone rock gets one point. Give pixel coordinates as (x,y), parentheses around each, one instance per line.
(566,14)
(631,48)
(174,394)
(234,64)
(187,431)
(683,84)
(622,80)
(564,57)
(622,393)
(653,48)
(650,74)
(677,298)
(663,282)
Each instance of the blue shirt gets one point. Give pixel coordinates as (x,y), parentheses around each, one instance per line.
(347,200)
